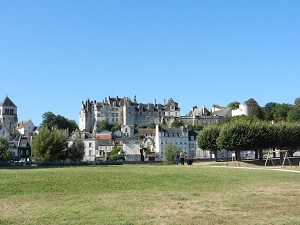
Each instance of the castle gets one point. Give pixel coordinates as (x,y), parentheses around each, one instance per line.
(117,111)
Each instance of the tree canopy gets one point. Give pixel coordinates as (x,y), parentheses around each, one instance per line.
(170,152)
(4,149)
(52,121)
(49,145)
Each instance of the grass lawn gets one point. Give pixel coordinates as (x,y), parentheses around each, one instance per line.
(139,194)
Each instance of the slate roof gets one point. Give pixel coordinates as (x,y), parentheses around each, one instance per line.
(7,102)
(222,112)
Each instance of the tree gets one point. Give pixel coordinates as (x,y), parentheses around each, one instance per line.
(293,115)
(268,111)
(170,153)
(177,123)
(52,121)
(76,151)
(4,149)
(297,101)
(255,109)
(280,112)
(233,105)
(48,145)
(115,154)
(235,136)
(207,139)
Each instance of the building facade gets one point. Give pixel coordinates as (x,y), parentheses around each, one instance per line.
(124,111)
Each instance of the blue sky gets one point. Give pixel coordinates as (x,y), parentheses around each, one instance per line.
(54,54)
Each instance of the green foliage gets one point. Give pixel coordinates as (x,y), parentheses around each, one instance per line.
(233,105)
(280,112)
(197,127)
(116,127)
(76,151)
(52,121)
(255,109)
(4,149)
(177,123)
(241,118)
(151,126)
(268,111)
(114,154)
(170,153)
(141,137)
(297,101)
(49,144)
(207,139)
(293,115)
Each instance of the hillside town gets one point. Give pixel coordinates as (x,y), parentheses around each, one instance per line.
(143,131)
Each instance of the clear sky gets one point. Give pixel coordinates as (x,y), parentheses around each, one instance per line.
(54,54)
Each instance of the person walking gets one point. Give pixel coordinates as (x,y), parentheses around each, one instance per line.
(182,158)
(177,159)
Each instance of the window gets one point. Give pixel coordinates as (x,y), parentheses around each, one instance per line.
(90,145)
(90,152)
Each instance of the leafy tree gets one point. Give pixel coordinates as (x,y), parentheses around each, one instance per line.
(170,153)
(76,151)
(49,144)
(297,101)
(197,127)
(235,136)
(4,149)
(207,139)
(293,115)
(233,105)
(280,112)
(114,154)
(52,121)
(177,123)
(241,118)
(255,109)
(268,110)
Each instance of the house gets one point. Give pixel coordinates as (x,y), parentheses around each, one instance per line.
(177,136)
(20,148)
(131,149)
(25,127)
(90,144)
(4,131)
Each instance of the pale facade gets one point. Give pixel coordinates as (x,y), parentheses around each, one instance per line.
(177,136)
(25,127)
(124,111)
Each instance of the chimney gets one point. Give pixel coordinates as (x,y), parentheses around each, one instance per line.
(154,102)
(117,99)
(164,101)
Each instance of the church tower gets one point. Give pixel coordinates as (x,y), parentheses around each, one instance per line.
(8,114)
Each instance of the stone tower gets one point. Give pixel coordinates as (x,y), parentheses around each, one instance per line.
(86,116)
(8,114)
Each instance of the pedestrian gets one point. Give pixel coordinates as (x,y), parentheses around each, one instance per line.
(177,159)
(182,158)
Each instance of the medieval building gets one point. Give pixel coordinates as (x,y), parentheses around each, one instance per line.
(124,111)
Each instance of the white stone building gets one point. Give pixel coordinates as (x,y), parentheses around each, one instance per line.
(177,136)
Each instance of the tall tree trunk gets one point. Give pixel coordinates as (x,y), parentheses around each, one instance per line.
(237,155)
(216,154)
(256,154)
(260,154)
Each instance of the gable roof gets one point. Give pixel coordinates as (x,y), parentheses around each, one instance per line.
(223,112)
(22,124)
(7,102)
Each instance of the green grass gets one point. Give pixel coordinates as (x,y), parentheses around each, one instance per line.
(135,194)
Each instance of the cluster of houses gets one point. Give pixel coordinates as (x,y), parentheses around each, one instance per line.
(136,141)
